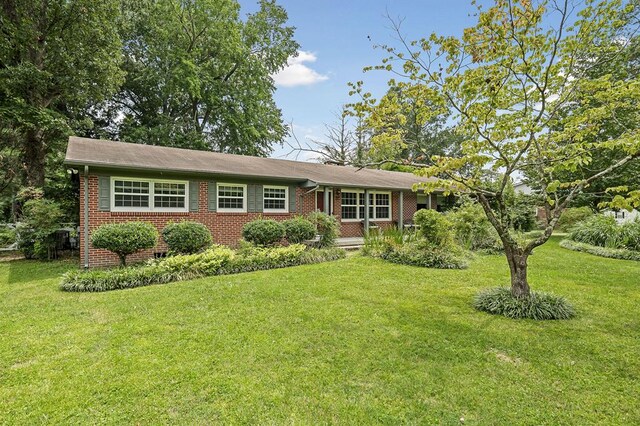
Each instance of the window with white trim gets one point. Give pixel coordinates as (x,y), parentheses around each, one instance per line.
(380,205)
(353,205)
(275,199)
(148,195)
(232,197)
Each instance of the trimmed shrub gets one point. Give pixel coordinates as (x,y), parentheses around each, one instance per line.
(125,238)
(611,253)
(298,229)
(434,227)
(326,226)
(426,255)
(572,216)
(36,234)
(472,229)
(217,260)
(186,237)
(263,232)
(538,306)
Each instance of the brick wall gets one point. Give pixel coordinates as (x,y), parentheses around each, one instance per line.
(226,228)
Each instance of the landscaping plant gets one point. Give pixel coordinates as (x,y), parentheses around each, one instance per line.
(327,227)
(36,233)
(520,85)
(125,238)
(186,237)
(298,229)
(263,232)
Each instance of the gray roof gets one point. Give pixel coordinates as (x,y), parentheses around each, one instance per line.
(122,155)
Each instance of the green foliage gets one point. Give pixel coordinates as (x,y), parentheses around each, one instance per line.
(537,306)
(7,236)
(517,86)
(36,233)
(125,238)
(434,227)
(298,229)
(191,63)
(612,253)
(604,231)
(217,260)
(59,56)
(522,212)
(426,255)
(473,230)
(186,237)
(573,216)
(263,232)
(412,248)
(327,227)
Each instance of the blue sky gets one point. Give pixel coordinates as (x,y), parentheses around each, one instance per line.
(334,47)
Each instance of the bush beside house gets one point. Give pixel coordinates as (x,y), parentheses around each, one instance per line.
(186,237)
(217,260)
(263,232)
(125,238)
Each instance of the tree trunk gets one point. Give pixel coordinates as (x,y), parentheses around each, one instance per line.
(518,268)
(34,159)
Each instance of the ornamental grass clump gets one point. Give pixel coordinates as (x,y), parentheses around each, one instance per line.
(536,306)
(125,238)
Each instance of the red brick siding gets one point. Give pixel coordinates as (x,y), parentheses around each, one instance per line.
(226,228)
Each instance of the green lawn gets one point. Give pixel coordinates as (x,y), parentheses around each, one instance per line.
(353,341)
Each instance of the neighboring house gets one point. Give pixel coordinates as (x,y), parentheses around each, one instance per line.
(623,216)
(125,182)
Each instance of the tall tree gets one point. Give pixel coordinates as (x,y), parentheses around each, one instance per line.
(197,76)
(56,57)
(513,81)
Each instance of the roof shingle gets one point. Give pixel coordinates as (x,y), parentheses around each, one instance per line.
(122,155)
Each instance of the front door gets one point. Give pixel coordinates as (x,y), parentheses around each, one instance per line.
(320,201)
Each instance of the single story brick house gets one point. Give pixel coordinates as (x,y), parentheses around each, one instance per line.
(126,181)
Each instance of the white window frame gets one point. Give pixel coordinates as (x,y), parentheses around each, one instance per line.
(286,199)
(354,191)
(151,194)
(384,219)
(229,210)
(374,218)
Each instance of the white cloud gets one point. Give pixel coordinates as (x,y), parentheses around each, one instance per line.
(296,73)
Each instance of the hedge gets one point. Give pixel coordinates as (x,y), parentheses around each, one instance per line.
(612,253)
(217,260)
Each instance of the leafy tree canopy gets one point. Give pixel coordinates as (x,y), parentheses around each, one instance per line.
(199,77)
(524,102)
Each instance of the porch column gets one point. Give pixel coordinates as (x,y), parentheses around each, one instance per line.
(327,202)
(401,211)
(366,212)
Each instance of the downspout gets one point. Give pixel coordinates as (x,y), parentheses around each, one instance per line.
(86,217)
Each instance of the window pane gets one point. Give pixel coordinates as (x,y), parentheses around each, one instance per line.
(382,199)
(382,212)
(124,200)
(131,187)
(274,204)
(169,188)
(168,201)
(275,193)
(349,212)
(349,198)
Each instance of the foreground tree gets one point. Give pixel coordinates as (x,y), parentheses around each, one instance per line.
(199,77)
(523,105)
(55,58)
